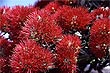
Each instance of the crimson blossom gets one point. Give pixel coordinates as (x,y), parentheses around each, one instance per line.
(67,52)
(101,12)
(3,19)
(72,18)
(52,7)
(67,2)
(2,64)
(15,17)
(100,37)
(29,57)
(5,47)
(38,26)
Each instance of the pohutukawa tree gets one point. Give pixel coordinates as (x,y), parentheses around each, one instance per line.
(55,37)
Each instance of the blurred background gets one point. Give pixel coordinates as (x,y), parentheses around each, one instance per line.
(17,2)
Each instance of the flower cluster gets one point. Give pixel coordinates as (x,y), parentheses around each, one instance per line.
(101,13)
(73,18)
(2,64)
(38,26)
(67,2)
(100,37)
(30,57)
(46,36)
(5,47)
(67,51)
(3,19)
(52,7)
(13,19)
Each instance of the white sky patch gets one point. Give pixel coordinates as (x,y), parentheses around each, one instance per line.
(17,2)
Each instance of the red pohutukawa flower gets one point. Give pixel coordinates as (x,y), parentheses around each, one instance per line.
(52,7)
(67,52)
(3,20)
(72,18)
(101,13)
(100,37)
(2,64)
(5,47)
(39,26)
(67,2)
(29,57)
(16,17)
